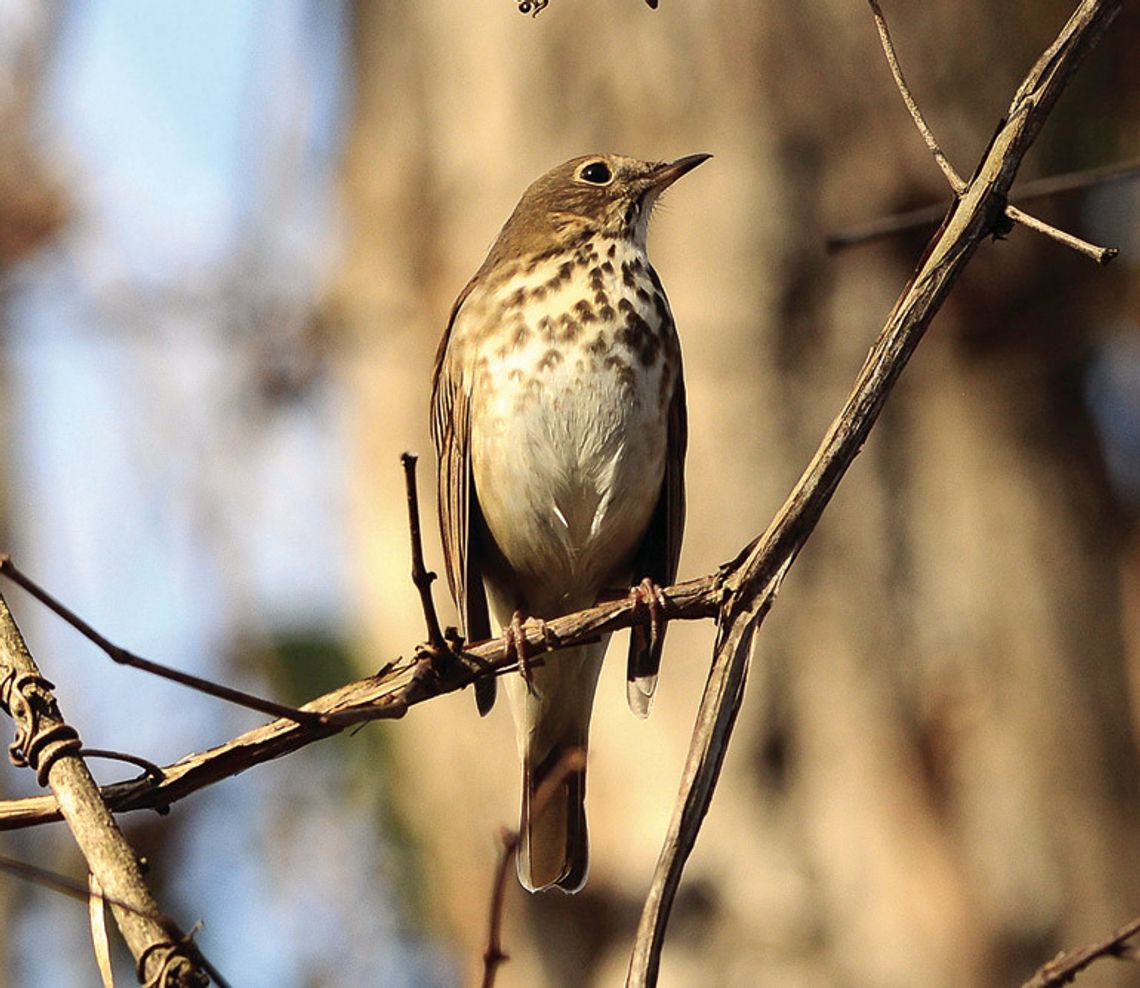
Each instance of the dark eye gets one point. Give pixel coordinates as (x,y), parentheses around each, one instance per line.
(596,172)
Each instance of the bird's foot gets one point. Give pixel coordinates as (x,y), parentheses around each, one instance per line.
(514,637)
(648,596)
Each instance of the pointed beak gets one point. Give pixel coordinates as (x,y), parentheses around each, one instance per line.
(668,172)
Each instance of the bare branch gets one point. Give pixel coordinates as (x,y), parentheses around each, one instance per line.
(1102,255)
(574,760)
(422,577)
(93,894)
(886,226)
(386,695)
(100,941)
(1068,964)
(148,767)
(123,657)
(494,955)
(716,718)
(1085,178)
(952,176)
(535,7)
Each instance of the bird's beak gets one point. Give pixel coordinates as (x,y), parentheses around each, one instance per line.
(668,172)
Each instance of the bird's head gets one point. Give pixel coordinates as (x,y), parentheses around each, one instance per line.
(606,195)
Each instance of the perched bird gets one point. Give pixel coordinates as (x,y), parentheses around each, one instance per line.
(558,416)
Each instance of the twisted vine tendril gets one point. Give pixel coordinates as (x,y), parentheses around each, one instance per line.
(27,697)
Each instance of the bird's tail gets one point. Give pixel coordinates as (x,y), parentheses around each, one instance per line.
(555,849)
(553,722)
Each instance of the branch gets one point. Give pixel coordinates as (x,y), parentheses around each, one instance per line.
(886,226)
(494,955)
(45,743)
(536,7)
(1102,255)
(956,184)
(388,694)
(422,577)
(123,657)
(95,897)
(1068,964)
(753,581)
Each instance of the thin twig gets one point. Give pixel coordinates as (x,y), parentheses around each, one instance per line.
(422,577)
(1085,178)
(1102,255)
(65,885)
(100,941)
(535,7)
(123,657)
(150,769)
(885,226)
(493,956)
(1068,964)
(952,176)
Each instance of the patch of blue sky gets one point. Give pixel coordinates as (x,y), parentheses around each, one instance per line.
(152,100)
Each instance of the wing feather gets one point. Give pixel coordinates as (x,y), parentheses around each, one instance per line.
(660,551)
(450,432)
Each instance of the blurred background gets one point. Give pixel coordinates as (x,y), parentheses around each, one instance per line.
(230,234)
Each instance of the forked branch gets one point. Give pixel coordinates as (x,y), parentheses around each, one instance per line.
(1040,188)
(1102,255)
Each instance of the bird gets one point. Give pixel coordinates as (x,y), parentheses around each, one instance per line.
(559,422)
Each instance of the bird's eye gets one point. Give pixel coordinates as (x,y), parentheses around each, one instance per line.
(596,173)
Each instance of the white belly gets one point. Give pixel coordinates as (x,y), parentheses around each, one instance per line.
(569,473)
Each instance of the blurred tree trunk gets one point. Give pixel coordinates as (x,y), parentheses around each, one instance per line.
(934,777)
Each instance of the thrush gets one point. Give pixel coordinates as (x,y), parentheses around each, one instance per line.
(558,417)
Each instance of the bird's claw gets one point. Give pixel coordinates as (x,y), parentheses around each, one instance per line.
(647,595)
(514,637)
